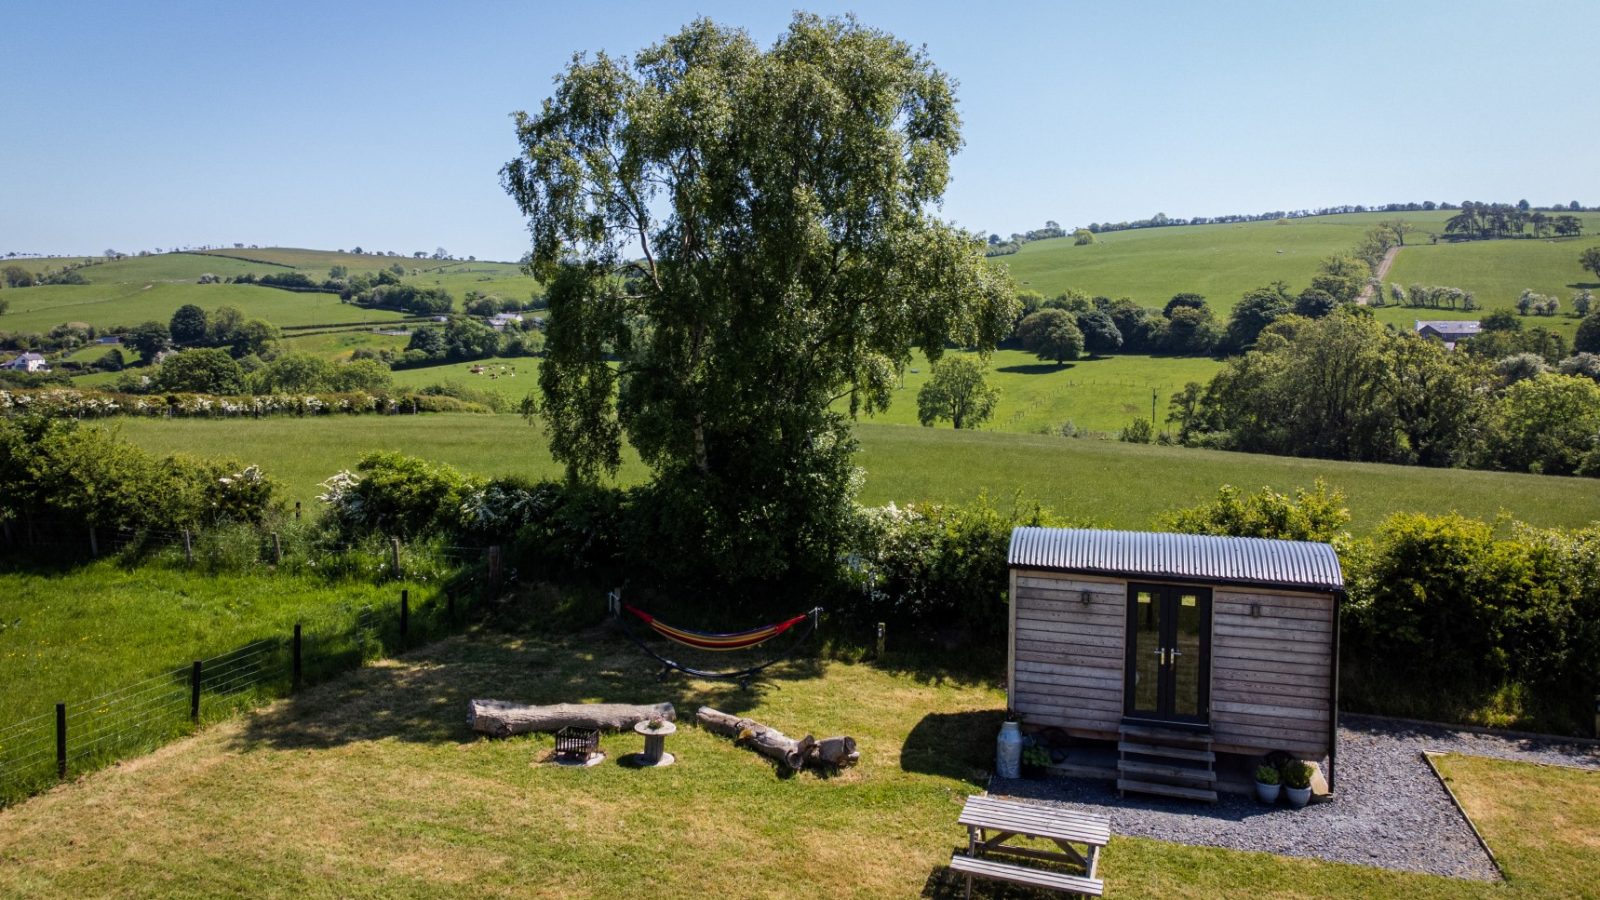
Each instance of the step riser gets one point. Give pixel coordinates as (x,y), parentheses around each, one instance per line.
(1164,774)
(1205,756)
(1166,790)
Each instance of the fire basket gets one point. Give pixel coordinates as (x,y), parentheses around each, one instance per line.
(577,746)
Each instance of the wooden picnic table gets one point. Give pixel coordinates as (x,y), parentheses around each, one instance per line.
(992,821)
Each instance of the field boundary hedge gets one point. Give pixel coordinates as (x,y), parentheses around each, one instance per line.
(76,403)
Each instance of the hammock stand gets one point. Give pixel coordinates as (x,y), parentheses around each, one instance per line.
(702,640)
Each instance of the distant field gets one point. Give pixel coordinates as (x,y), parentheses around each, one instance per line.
(1498,271)
(1094,394)
(1104,482)
(339,345)
(109,305)
(1224,261)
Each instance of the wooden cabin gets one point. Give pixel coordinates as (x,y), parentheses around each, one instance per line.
(1177,647)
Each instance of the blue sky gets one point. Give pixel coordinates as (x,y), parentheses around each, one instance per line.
(331,124)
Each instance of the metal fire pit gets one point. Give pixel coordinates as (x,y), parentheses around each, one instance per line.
(578,746)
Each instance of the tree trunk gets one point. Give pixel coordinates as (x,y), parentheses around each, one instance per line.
(772,743)
(500,718)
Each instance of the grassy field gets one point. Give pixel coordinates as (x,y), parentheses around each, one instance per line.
(1100,395)
(340,344)
(109,305)
(1103,482)
(372,786)
(71,635)
(1224,261)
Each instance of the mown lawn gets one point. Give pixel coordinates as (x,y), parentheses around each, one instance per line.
(1100,482)
(372,786)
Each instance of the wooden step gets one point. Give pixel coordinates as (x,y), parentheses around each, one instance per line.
(1173,752)
(1157,772)
(1166,790)
(1045,878)
(1153,734)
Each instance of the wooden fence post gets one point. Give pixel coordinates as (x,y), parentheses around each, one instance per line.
(405,611)
(277,549)
(883,630)
(94,543)
(394,556)
(295,683)
(188,547)
(496,565)
(194,692)
(61,740)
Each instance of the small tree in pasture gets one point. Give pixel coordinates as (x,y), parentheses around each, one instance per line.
(957,393)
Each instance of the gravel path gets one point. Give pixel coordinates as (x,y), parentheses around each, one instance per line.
(1391,810)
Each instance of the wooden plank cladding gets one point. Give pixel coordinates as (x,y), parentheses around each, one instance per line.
(1068,656)
(1272,670)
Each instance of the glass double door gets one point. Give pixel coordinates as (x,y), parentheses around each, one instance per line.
(1169,653)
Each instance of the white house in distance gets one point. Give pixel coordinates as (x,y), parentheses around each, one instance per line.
(28,362)
(499,321)
(1451,333)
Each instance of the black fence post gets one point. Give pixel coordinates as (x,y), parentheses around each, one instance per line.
(405,611)
(61,740)
(296,682)
(194,692)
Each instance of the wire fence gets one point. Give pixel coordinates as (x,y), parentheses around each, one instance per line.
(78,736)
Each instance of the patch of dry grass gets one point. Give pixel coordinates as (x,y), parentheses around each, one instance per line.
(372,786)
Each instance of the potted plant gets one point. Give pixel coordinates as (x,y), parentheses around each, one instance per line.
(1267,786)
(1297,783)
(1035,761)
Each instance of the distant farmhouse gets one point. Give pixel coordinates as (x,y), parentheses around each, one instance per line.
(499,321)
(28,362)
(1451,333)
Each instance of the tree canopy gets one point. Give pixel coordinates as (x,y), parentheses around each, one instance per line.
(732,240)
(957,393)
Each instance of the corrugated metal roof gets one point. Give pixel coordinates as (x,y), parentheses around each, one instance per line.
(1149,554)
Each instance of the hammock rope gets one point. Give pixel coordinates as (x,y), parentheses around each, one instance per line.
(714,641)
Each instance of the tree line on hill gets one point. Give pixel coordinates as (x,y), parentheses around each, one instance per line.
(1482,220)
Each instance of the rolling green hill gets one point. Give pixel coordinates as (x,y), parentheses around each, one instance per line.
(1105,482)
(1224,261)
(108,305)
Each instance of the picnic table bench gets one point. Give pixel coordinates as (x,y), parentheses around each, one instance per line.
(992,821)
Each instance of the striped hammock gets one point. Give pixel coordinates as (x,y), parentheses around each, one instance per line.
(705,640)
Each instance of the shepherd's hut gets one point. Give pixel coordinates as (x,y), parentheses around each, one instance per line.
(1181,649)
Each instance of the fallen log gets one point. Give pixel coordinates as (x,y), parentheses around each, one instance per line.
(501,718)
(838,752)
(772,743)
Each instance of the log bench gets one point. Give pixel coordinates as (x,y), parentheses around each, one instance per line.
(992,821)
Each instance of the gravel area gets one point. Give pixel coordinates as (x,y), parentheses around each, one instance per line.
(1391,811)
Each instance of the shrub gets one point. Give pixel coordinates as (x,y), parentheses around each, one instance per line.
(931,568)
(1315,515)
(1266,774)
(399,495)
(60,475)
(1139,431)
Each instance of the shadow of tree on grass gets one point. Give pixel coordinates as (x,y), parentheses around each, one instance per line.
(422,695)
